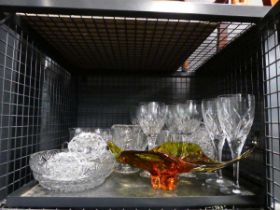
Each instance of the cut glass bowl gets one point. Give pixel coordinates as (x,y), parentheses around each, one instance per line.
(70,172)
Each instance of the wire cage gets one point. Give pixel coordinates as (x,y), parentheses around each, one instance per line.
(62,68)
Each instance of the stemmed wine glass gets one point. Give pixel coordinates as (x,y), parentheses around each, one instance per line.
(191,116)
(171,122)
(187,118)
(236,116)
(212,124)
(151,117)
(184,118)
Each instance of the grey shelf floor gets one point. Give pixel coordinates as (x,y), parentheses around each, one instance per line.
(123,191)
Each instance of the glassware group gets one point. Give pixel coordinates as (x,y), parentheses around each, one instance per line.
(209,123)
(226,117)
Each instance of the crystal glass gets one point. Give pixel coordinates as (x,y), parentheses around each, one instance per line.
(201,137)
(163,136)
(236,116)
(212,124)
(171,119)
(70,172)
(190,113)
(186,117)
(183,118)
(128,137)
(151,117)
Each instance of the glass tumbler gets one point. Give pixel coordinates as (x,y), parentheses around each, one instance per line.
(128,137)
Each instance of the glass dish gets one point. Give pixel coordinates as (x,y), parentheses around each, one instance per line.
(53,170)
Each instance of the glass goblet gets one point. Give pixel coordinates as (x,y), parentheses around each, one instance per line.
(191,116)
(212,124)
(151,117)
(128,137)
(201,138)
(236,116)
(188,120)
(170,122)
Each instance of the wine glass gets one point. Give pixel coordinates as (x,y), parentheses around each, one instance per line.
(151,117)
(236,116)
(184,118)
(190,113)
(212,124)
(171,118)
(188,120)
(201,138)
(128,137)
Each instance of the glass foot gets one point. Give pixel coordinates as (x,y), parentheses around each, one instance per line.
(145,174)
(125,169)
(233,189)
(187,175)
(219,182)
(236,190)
(226,190)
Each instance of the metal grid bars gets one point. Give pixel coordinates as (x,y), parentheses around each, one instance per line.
(24,87)
(134,44)
(108,100)
(121,43)
(20,86)
(223,35)
(271,73)
(57,113)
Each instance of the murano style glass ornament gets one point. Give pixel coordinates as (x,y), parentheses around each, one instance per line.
(168,160)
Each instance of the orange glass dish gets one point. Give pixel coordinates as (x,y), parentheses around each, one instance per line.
(167,161)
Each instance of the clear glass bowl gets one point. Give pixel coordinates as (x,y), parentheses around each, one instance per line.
(105,133)
(53,169)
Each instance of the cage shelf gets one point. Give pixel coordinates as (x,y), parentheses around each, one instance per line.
(136,8)
(130,36)
(132,191)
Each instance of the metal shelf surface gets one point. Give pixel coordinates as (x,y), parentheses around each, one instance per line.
(139,7)
(131,191)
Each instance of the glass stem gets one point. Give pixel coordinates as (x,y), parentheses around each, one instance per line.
(181,139)
(237,175)
(219,153)
(236,169)
(219,149)
(152,141)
